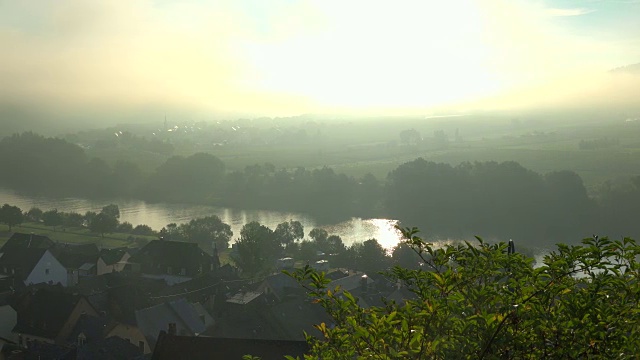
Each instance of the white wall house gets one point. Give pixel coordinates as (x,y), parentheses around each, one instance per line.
(47,270)
(8,319)
(104,268)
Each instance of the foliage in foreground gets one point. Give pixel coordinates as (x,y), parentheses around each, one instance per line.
(482,302)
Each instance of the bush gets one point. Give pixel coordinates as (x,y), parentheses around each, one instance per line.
(483,301)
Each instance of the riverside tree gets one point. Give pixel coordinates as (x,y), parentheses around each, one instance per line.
(11,215)
(483,301)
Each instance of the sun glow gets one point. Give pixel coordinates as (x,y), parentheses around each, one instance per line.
(382,54)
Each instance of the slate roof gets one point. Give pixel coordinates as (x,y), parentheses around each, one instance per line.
(44,312)
(295,316)
(119,294)
(22,260)
(73,256)
(22,241)
(198,289)
(154,319)
(350,282)
(41,350)
(249,324)
(92,327)
(172,253)
(400,296)
(244,297)
(111,348)
(336,274)
(196,348)
(282,285)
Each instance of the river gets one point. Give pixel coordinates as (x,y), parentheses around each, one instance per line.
(157,215)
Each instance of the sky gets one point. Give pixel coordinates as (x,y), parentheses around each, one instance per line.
(287,57)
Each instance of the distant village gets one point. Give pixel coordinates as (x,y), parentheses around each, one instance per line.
(165,300)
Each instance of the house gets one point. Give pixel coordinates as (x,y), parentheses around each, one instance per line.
(131,334)
(208,290)
(8,317)
(38,350)
(183,314)
(109,348)
(172,261)
(176,347)
(49,315)
(352,282)
(24,241)
(27,266)
(294,317)
(88,329)
(112,260)
(119,295)
(280,286)
(243,301)
(80,260)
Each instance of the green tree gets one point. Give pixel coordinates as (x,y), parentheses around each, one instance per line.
(11,215)
(208,231)
(319,236)
(257,249)
(103,224)
(72,219)
(371,256)
(52,218)
(482,301)
(289,232)
(173,232)
(111,210)
(89,216)
(34,214)
(143,229)
(125,227)
(307,250)
(404,256)
(335,245)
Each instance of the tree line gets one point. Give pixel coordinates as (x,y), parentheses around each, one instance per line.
(496,200)
(255,251)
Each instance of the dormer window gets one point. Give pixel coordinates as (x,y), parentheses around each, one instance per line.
(81,339)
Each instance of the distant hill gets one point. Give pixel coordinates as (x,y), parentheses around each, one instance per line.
(629,69)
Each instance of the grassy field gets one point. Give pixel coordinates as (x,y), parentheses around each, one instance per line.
(71,235)
(83,236)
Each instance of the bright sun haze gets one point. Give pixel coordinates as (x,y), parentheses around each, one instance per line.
(287,57)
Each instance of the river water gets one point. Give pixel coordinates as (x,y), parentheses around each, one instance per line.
(157,215)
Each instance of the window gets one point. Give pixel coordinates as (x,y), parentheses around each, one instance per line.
(169,270)
(183,271)
(141,346)
(46,271)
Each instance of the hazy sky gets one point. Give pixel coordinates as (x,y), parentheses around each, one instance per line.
(285,57)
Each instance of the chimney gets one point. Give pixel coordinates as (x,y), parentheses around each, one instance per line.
(172,329)
(364,283)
